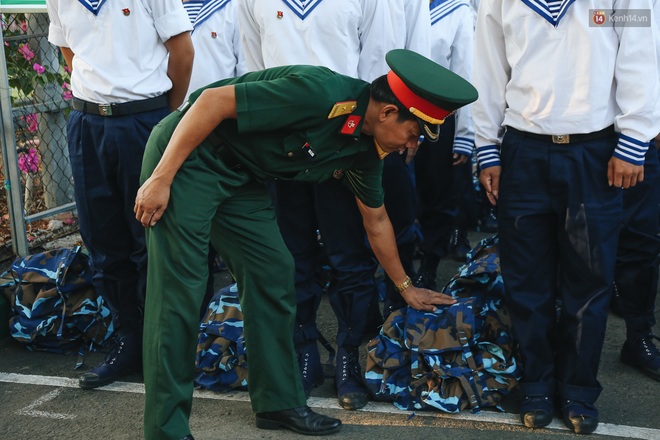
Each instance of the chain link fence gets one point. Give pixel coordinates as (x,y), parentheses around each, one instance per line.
(35,102)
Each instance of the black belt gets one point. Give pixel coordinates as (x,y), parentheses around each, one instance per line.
(565,138)
(223,152)
(123,109)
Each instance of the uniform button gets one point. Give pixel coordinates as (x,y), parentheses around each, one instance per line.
(290,153)
(307,171)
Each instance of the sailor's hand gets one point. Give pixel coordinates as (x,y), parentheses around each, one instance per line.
(425,299)
(151,202)
(623,174)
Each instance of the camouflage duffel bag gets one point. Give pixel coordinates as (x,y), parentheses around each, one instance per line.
(54,305)
(221,361)
(455,358)
(461,356)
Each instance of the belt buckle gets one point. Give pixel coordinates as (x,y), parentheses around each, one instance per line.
(561,138)
(105,110)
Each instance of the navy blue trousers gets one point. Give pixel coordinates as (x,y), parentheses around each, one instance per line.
(304,208)
(558,225)
(106,158)
(638,254)
(444,191)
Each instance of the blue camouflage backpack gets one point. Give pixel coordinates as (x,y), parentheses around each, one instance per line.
(458,357)
(221,360)
(54,305)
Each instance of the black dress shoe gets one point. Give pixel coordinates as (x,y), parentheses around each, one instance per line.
(301,420)
(188,437)
(352,394)
(581,417)
(536,411)
(642,353)
(124,359)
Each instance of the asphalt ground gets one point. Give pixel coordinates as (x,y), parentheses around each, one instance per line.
(40,399)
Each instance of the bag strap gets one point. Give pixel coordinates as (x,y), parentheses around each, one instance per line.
(63,266)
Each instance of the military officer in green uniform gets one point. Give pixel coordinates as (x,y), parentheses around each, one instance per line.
(203,174)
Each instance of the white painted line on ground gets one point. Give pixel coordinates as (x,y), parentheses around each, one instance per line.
(607,429)
(32,412)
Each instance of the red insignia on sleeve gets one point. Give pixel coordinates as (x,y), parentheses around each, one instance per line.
(351,124)
(280,14)
(126,11)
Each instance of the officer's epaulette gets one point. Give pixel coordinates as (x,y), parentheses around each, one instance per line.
(342,108)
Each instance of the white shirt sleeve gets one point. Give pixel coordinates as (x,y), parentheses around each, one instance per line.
(490,75)
(460,62)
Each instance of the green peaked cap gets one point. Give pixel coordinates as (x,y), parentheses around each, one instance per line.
(432,91)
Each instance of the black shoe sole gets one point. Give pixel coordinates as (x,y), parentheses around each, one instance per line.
(647,371)
(273,424)
(91,386)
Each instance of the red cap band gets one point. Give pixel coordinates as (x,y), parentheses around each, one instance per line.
(411,100)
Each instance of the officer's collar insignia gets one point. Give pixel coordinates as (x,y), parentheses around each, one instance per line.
(342,108)
(351,124)
(381,153)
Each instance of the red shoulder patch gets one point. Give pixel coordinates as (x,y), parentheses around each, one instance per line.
(351,124)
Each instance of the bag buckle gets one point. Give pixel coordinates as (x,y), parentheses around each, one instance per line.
(105,110)
(561,138)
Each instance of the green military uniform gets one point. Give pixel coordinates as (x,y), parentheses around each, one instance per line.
(296,122)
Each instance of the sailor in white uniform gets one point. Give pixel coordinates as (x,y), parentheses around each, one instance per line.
(566,111)
(216,39)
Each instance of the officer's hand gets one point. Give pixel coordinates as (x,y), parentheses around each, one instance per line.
(623,174)
(425,299)
(490,180)
(151,201)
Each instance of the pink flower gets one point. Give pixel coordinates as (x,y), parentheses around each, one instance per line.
(25,50)
(31,121)
(38,68)
(66,90)
(24,26)
(29,162)
(67,69)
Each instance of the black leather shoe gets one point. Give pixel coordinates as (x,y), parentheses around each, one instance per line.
(124,359)
(352,394)
(536,411)
(301,420)
(188,437)
(641,353)
(581,417)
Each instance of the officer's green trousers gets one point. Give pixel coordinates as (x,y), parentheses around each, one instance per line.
(211,203)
